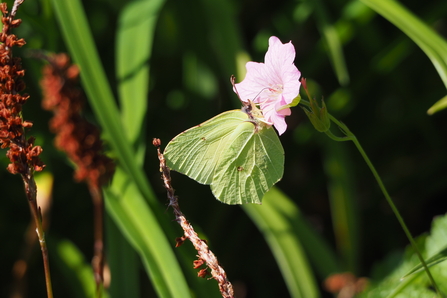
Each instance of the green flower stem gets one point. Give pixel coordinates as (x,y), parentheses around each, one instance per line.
(351,137)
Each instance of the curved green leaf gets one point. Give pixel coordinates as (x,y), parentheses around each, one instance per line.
(438,106)
(341,190)
(131,213)
(136,28)
(222,29)
(434,46)
(436,259)
(123,261)
(288,236)
(140,218)
(76,270)
(407,279)
(333,43)
(79,40)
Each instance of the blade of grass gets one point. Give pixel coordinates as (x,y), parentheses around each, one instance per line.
(79,40)
(224,34)
(434,46)
(130,213)
(438,106)
(75,269)
(432,261)
(343,208)
(333,43)
(136,28)
(123,262)
(165,270)
(127,207)
(134,47)
(132,65)
(286,232)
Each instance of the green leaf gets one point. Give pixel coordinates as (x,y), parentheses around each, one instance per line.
(132,215)
(136,28)
(437,241)
(240,158)
(341,190)
(133,50)
(436,246)
(438,106)
(392,286)
(434,46)
(123,261)
(333,43)
(79,40)
(223,31)
(408,278)
(280,222)
(436,259)
(75,269)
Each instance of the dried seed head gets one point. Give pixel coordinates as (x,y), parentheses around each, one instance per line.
(24,156)
(77,137)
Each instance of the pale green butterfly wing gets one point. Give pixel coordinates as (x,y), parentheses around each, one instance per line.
(251,164)
(234,152)
(196,151)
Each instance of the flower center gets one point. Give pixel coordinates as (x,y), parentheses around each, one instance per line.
(275,90)
(272,93)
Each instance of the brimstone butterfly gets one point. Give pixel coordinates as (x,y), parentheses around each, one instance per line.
(237,153)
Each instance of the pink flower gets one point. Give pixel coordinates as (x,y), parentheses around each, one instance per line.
(273,84)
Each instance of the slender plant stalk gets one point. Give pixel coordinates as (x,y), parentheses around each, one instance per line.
(31,193)
(205,255)
(349,136)
(98,256)
(22,153)
(80,140)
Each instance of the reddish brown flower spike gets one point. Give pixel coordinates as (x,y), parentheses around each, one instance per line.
(198,263)
(179,241)
(77,137)
(156,142)
(24,156)
(203,273)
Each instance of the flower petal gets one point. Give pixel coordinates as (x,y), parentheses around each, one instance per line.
(254,82)
(278,54)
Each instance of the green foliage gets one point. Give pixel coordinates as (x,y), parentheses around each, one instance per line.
(285,231)
(403,282)
(434,46)
(77,272)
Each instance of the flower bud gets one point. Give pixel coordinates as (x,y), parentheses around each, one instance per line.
(319,117)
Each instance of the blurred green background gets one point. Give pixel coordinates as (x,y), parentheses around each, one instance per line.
(381,91)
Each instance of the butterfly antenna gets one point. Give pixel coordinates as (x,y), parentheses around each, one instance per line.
(259,93)
(232,80)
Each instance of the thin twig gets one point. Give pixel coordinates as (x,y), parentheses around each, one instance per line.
(31,192)
(80,140)
(20,268)
(16,5)
(204,253)
(98,254)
